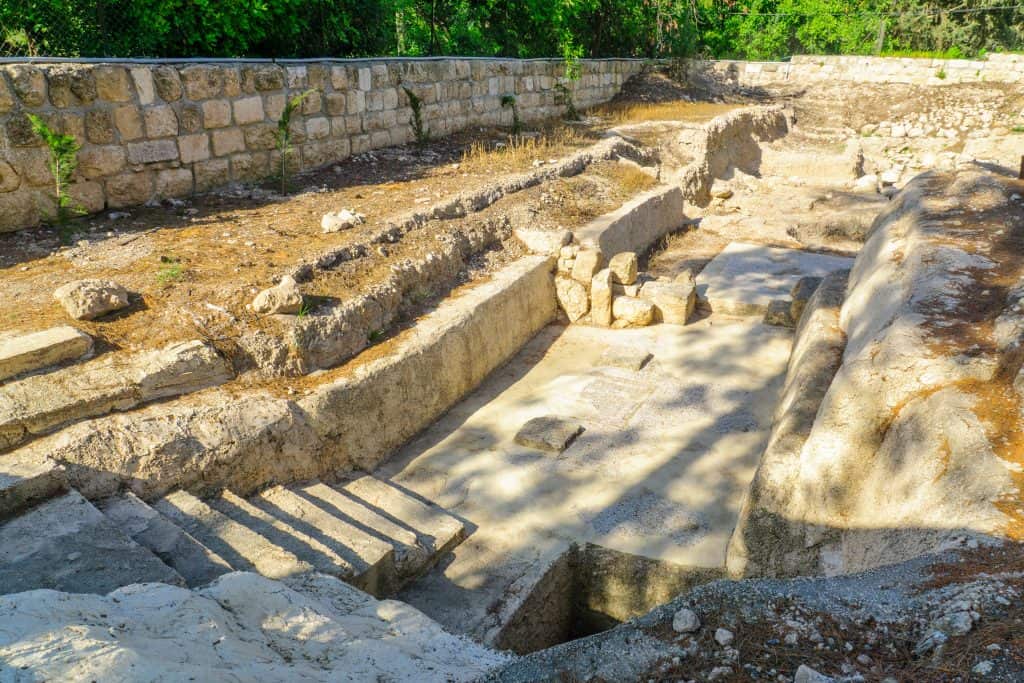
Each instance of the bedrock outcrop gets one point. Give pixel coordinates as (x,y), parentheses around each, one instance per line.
(900,425)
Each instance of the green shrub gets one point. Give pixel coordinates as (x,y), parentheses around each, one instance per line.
(284,134)
(418,129)
(63,159)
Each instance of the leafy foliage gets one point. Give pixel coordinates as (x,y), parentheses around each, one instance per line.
(570,29)
(418,128)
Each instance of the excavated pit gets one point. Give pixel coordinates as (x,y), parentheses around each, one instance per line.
(432,336)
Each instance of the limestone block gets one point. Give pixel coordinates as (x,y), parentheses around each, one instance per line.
(336,221)
(9,177)
(624,267)
(152,151)
(194,148)
(248,110)
(549,433)
(99,127)
(96,162)
(202,82)
(128,122)
(778,314)
(174,182)
(216,113)
(588,263)
(629,311)
(42,349)
(227,141)
(190,118)
(6,97)
(260,136)
(318,128)
(572,297)
(601,298)
(168,83)
(335,103)
(543,241)
(29,84)
(160,121)
(129,189)
(90,299)
(113,83)
(625,357)
(801,294)
(143,78)
(674,303)
(211,174)
(284,297)
(88,195)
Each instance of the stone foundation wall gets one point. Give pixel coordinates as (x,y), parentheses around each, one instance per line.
(161,129)
(995,68)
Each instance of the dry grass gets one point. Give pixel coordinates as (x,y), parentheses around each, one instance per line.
(630,179)
(518,152)
(661,111)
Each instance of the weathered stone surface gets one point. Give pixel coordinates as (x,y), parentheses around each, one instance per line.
(549,433)
(112,83)
(543,241)
(601,298)
(152,151)
(161,121)
(66,544)
(334,632)
(629,311)
(39,350)
(778,314)
(801,294)
(129,189)
(284,297)
(588,263)
(248,110)
(624,268)
(90,299)
(202,81)
(905,445)
(26,479)
(196,563)
(572,297)
(674,302)
(636,225)
(38,403)
(336,221)
(626,357)
(168,83)
(29,84)
(745,278)
(194,147)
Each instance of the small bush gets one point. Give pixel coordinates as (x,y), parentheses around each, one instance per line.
(284,134)
(418,129)
(63,160)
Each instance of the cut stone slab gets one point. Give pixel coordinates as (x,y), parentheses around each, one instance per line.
(67,544)
(38,350)
(39,403)
(674,302)
(629,311)
(625,357)
(243,548)
(303,546)
(778,314)
(436,529)
(358,554)
(745,278)
(25,480)
(549,433)
(195,562)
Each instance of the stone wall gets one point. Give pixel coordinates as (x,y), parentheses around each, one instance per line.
(995,68)
(162,129)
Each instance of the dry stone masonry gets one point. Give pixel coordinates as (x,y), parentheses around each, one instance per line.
(158,130)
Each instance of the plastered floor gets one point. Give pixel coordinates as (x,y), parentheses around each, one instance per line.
(660,470)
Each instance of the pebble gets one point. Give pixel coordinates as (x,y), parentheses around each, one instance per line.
(982,668)
(806,674)
(723,636)
(685,621)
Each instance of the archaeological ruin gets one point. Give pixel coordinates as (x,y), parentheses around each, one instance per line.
(721,381)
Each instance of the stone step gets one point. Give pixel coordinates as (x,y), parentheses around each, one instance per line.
(195,562)
(40,403)
(370,557)
(241,547)
(67,544)
(38,350)
(437,530)
(308,547)
(26,480)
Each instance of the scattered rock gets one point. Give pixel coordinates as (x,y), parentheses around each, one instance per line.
(625,357)
(982,668)
(284,297)
(588,263)
(601,298)
(866,183)
(549,433)
(723,636)
(624,268)
(629,311)
(778,313)
(685,621)
(806,674)
(89,299)
(674,302)
(572,297)
(341,220)
(544,241)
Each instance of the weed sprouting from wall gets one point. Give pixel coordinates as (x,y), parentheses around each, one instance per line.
(565,97)
(510,101)
(418,129)
(63,159)
(284,134)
